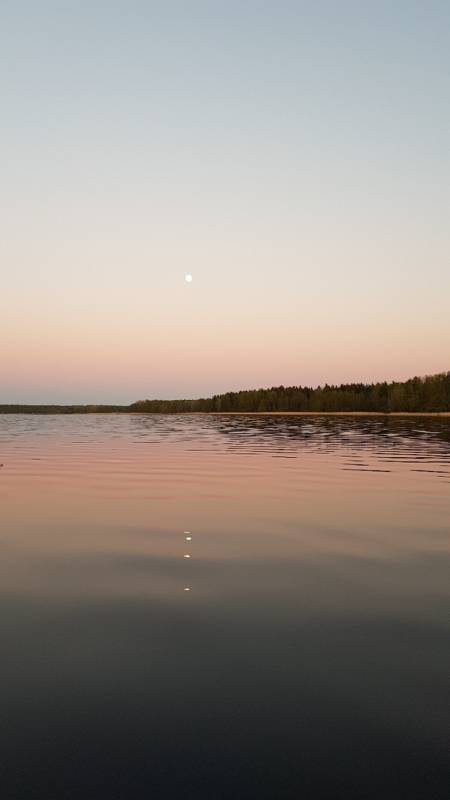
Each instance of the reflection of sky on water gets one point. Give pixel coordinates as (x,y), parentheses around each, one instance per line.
(312,651)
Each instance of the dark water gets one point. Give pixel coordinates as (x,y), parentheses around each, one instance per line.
(310,656)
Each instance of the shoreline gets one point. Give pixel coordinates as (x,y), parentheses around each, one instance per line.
(444,414)
(322,413)
(310,413)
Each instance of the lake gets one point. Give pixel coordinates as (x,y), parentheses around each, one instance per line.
(224,607)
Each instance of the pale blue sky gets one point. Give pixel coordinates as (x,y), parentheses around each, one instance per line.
(293,156)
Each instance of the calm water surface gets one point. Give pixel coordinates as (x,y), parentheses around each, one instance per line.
(301,651)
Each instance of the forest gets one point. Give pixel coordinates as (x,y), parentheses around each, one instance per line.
(421,394)
(426,394)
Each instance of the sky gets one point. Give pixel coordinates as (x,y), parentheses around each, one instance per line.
(294,157)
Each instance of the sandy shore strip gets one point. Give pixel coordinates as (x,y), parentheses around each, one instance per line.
(318,413)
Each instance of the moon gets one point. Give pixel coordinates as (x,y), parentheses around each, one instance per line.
(188,278)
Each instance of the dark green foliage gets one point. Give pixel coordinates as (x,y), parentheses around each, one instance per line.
(91,409)
(429,394)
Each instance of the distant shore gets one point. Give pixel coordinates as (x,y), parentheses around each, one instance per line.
(417,397)
(30,411)
(322,413)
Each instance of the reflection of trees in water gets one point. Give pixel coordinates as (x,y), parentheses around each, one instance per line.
(385,438)
(420,438)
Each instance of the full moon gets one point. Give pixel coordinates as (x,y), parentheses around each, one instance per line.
(188,278)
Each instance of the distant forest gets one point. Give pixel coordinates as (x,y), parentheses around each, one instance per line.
(427,394)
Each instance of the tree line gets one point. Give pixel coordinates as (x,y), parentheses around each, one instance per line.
(420,394)
(431,393)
